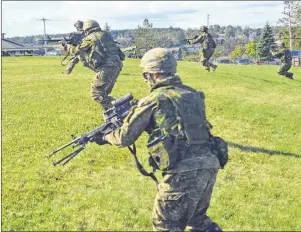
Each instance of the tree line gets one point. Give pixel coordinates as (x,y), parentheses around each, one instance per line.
(233,41)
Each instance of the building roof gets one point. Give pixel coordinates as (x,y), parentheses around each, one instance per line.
(7,45)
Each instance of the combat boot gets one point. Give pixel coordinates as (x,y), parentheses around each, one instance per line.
(67,72)
(290,76)
(214,67)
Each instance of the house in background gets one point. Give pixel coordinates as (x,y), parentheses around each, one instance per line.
(220,40)
(296,58)
(10,48)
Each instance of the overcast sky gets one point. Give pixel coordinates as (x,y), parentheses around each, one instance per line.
(20,18)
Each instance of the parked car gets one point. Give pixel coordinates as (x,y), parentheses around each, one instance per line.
(244,61)
(224,61)
(274,62)
(271,62)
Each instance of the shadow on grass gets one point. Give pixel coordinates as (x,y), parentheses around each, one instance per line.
(262,150)
(261,79)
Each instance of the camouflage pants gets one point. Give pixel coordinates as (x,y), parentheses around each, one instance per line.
(206,55)
(103,84)
(182,201)
(283,70)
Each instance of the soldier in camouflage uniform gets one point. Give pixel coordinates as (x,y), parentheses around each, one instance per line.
(79,27)
(173,115)
(103,57)
(286,60)
(208,47)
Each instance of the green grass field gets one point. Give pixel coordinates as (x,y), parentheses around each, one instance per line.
(254,109)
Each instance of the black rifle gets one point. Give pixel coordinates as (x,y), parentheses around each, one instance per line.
(113,119)
(74,39)
(191,38)
(185,41)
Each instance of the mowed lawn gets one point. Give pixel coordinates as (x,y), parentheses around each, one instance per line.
(254,109)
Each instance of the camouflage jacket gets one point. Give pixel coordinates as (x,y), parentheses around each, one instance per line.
(284,54)
(99,49)
(205,39)
(155,111)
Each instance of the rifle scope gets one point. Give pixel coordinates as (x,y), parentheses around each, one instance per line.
(126,98)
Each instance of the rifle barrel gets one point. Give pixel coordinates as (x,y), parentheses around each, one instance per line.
(52,40)
(68,157)
(61,148)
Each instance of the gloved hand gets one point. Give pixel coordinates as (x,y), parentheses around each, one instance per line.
(99,139)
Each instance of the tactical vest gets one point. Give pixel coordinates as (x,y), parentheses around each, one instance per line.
(211,42)
(287,56)
(108,44)
(208,41)
(103,50)
(180,116)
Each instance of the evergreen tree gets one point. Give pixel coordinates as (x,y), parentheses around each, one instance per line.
(246,32)
(145,36)
(266,44)
(106,27)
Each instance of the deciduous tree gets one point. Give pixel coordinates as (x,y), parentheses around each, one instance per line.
(251,49)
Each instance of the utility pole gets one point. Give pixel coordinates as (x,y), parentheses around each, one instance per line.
(290,29)
(208,21)
(45,42)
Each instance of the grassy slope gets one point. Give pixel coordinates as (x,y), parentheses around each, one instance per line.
(101,189)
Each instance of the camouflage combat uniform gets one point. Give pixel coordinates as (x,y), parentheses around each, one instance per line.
(208,48)
(103,57)
(189,167)
(74,61)
(286,61)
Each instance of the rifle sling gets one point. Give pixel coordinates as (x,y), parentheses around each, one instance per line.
(66,58)
(140,167)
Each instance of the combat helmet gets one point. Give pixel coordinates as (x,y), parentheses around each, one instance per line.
(204,28)
(90,24)
(159,60)
(79,25)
